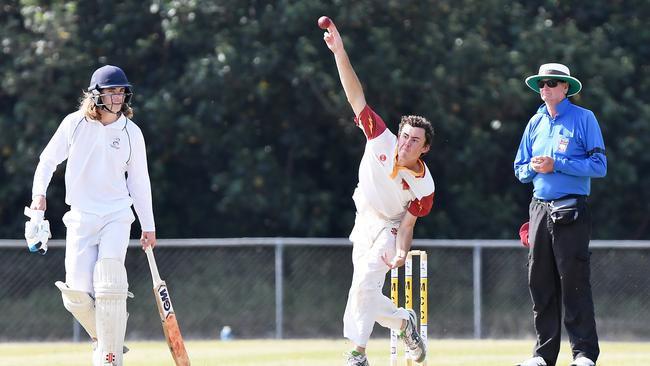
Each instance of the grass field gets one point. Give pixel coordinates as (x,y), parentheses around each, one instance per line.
(309,352)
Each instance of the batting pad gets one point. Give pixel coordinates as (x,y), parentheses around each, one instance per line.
(110,283)
(81,305)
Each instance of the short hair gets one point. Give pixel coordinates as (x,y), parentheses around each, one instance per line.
(91,110)
(418,121)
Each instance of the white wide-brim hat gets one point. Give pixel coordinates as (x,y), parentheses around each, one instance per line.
(555,71)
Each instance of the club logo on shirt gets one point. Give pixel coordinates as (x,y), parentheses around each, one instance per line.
(393,231)
(110,357)
(563,144)
(116,143)
(405,186)
(382,157)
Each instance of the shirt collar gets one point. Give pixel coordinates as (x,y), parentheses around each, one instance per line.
(119,124)
(397,168)
(562,107)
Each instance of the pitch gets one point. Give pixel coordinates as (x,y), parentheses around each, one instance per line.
(309,352)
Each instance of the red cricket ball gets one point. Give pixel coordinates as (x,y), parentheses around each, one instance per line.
(324,22)
(523,234)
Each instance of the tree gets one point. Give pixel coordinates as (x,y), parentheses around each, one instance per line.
(248,129)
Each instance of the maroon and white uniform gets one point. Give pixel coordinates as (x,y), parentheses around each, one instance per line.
(384,194)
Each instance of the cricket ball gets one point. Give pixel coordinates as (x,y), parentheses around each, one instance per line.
(324,22)
(523,234)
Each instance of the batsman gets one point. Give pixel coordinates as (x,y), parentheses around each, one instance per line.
(106,173)
(395,188)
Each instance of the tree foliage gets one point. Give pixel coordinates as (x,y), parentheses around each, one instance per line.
(249,132)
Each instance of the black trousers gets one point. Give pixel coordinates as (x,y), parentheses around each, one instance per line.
(559,275)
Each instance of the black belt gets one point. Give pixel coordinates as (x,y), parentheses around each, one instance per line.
(578,196)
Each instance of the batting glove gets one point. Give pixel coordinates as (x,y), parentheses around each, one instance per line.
(37,231)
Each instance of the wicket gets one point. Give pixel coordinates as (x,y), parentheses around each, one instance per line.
(408,300)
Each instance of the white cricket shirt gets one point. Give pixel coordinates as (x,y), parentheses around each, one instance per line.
(106,169)
(390,190)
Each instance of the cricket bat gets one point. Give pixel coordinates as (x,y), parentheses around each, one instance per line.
(167,315)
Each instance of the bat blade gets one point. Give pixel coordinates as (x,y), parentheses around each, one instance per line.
(170,325)
(167,316)
(175,341)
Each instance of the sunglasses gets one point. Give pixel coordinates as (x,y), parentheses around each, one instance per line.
(552,83)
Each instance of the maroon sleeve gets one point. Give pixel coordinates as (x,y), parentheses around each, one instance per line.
(372,124)
(421,207)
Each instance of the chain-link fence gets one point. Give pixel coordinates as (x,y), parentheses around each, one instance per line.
(297,288)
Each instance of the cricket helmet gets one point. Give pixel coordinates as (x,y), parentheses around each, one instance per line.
(109,76)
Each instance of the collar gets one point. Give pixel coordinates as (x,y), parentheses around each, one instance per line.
(562,107)
(397,168)
(119,123)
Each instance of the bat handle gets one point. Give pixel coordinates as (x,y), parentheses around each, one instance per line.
(153,267)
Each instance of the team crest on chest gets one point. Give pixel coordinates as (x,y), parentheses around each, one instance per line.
(382,158)
(563,144)
(405,186)
(115,144)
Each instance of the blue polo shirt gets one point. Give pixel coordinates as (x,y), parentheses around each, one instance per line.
(573,139)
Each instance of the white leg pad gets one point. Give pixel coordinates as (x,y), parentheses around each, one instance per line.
(81,305)
(111,289)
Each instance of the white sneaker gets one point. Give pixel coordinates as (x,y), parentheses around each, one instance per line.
(535,361)
(582,361)
(357,360)
(412,339)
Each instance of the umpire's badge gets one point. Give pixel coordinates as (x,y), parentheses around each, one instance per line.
(116,143)
(562,144)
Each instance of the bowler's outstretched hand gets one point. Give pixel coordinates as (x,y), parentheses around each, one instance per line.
(333,39)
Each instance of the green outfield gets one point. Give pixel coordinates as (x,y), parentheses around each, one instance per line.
(309,352)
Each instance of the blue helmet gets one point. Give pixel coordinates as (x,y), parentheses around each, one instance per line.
(109,76)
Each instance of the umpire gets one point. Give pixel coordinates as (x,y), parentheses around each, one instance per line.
(560,151)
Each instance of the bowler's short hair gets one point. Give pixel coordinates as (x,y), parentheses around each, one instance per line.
(418,121)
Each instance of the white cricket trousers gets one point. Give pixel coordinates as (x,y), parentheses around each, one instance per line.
(366,303)
(90,238)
